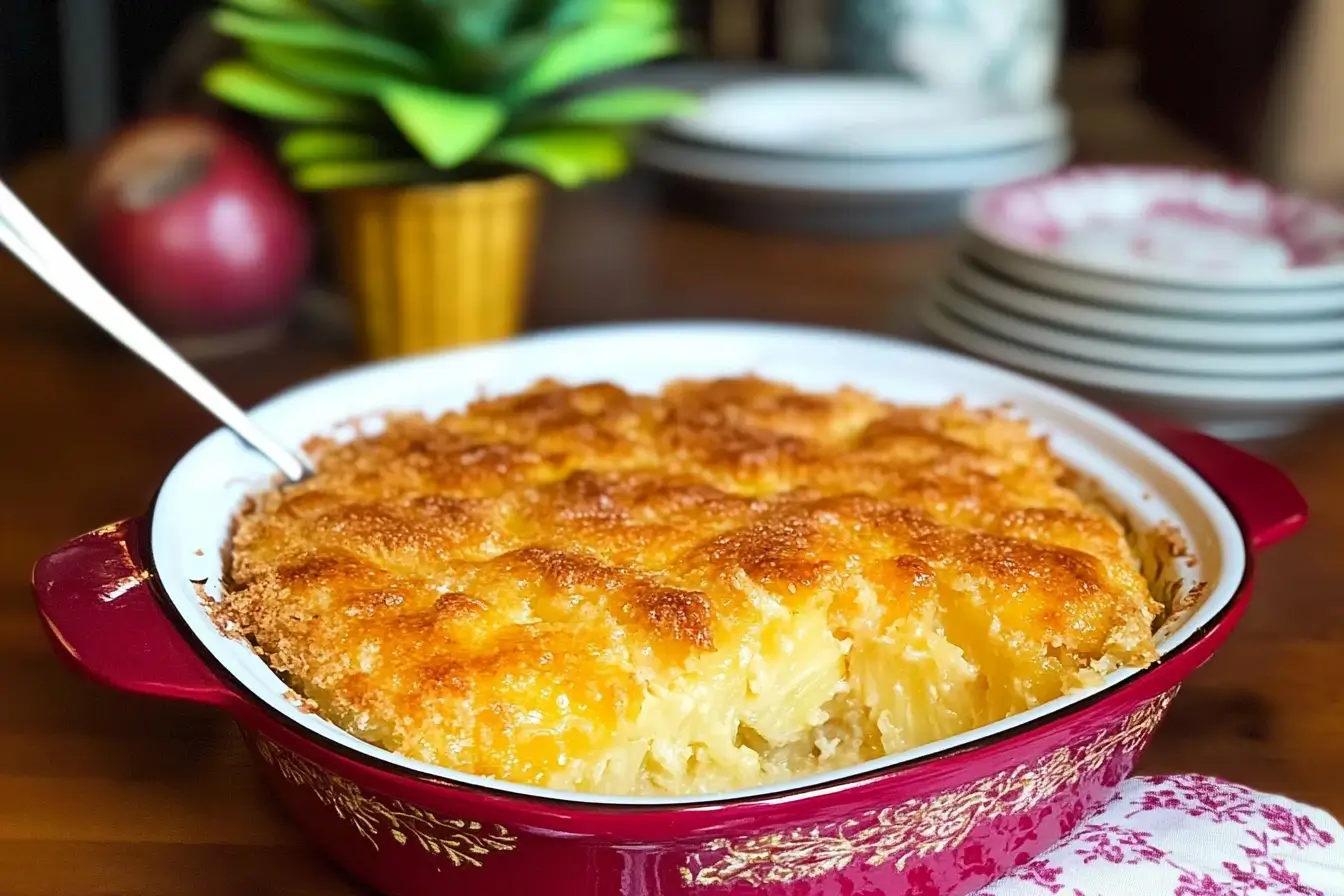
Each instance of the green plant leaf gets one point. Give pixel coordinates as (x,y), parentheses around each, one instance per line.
(310,145)
(568,157)
(341,175)
(569,13)
(355,12)
(591,51)
(424,25)
(253,90)
(624,105)
(517,53)
(317,68)
(447,128)
(320,36)
(416,23)
(466,36)
(286,9)
(479,23)
(534,13)
(561,14)
(651,13)
(543,22)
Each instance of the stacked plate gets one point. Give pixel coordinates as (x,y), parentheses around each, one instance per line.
(851,153)
(1211,299)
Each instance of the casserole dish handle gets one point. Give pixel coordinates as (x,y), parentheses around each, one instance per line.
(1261,496)
(95,598)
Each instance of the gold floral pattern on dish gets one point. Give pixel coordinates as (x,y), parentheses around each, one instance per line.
(463,843)
(919,827)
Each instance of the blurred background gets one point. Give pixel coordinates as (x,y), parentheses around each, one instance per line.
(1136,199)
(833,154)
(73,69)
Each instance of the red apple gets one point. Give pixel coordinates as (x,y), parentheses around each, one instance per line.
(194,228)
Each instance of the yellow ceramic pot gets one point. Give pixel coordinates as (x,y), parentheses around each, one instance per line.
(438,265)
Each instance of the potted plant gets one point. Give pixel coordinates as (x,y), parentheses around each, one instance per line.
(432,124)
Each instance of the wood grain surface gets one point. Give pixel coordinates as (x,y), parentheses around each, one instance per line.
(106,794)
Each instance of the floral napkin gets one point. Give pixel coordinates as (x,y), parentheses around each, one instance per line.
(1188,835)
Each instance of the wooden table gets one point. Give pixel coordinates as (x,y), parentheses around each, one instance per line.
(106,794)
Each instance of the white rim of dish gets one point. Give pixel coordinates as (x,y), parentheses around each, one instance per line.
(889,176)
(199,497)
(1203,301)
(860,117)
(975,277)
(1120,380)
(1135,355)
(1121,186)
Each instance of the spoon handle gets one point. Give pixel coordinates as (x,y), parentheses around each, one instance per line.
(30,241)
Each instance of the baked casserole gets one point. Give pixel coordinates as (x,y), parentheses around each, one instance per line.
(727,584)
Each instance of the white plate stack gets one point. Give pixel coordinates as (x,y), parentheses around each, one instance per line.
(854,153)
(1202,297)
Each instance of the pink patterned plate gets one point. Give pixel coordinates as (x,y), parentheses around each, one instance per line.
(1190,835)
(1168,226)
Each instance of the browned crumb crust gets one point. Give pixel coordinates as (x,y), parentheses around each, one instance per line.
(587,588)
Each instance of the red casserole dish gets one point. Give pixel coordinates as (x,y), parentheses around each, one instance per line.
(122,606)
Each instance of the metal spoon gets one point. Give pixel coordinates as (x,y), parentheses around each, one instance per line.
(30,241)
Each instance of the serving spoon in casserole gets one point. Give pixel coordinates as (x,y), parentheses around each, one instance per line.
(33,244)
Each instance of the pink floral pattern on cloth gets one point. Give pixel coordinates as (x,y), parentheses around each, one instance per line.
(1188,835)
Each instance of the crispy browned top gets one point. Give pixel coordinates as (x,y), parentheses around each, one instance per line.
(502,590)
